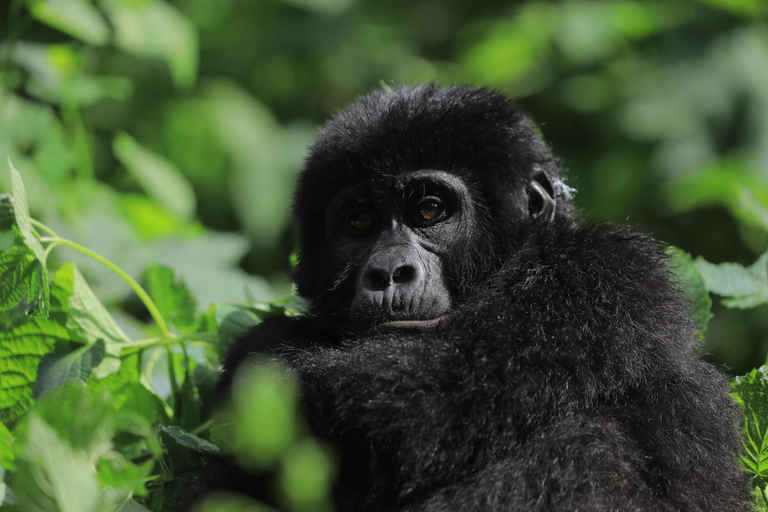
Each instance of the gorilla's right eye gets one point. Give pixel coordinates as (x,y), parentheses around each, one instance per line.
(361,220)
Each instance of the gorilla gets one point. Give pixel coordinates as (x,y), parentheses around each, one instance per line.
(470,344)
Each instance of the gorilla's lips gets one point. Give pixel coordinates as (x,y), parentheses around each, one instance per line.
(411,325)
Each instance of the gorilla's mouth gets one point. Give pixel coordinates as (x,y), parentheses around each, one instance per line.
(411,324)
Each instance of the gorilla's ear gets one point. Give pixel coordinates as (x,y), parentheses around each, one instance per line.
(541,194)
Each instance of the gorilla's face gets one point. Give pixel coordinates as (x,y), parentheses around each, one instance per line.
(398,232)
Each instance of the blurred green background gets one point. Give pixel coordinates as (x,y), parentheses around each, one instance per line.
(171,131)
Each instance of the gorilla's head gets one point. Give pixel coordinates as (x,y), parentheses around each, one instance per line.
(411,196)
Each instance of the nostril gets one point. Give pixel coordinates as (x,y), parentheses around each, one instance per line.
(404,274)
(377,279)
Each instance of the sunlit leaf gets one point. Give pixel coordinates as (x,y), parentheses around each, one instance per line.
(78,18)
(172,297)
(307,475)
(52,476)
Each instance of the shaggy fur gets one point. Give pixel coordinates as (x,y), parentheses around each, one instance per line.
(566,378)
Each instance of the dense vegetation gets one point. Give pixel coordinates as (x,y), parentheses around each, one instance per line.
(158,142)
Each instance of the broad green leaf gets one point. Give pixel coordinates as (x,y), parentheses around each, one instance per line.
(153,28)
(742,287)
(172,297)
(75,367)
(78,18)
(39,294)
(21,349)
(189,440)
(157,176)
(751,391)
(693,286)
(6,212)
(52,476)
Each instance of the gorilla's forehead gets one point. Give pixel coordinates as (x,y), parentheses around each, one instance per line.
(395,186)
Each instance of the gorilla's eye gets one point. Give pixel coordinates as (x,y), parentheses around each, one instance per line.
(361,220)
(429,210)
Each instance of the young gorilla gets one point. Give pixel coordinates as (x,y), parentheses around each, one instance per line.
(470,345)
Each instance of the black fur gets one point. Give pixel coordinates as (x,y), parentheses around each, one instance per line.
(566,376)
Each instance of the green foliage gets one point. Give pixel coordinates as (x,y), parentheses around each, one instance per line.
(751,392)
(742,287)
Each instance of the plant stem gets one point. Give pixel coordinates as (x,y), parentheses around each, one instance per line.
(209,337)
(136,287)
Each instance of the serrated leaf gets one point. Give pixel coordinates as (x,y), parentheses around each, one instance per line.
(157,176)
(52,476)
(172,297)
(189,440)
(153,28)
(743,287)
(6,212)
(693,286)
(57,371)
(78,18)
(751,391)
(21,349)
(39,294)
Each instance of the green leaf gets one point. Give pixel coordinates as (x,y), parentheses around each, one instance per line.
(152,28)
(742,287)
(754,207)
(156,175)
(692,284)
(751,392)
(78,18)
(172,297)
(58,371)
(6,212)
(52,476)
(21,349)
(190,441)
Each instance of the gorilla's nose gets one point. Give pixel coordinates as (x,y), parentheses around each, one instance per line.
(396,267)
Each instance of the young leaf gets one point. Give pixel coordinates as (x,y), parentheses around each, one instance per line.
(742,287)
(751,391)
(692,284)
(39,284)
(7,457)
(21,349)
